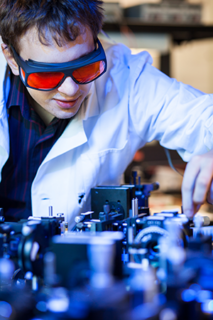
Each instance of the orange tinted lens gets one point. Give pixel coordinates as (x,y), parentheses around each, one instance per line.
(89,72)
(44,80)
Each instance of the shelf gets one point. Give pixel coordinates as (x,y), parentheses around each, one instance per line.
(179,33)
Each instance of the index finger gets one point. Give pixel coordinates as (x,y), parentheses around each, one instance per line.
(189,179)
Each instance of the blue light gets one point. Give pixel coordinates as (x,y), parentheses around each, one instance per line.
(28,275)
(204,295)
(41,306)
(210,305)
(58,304)
(160,299)
(196,287)
(5,309)
(207,307)
(188,295)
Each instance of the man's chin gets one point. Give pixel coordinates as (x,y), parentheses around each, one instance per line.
(66,113)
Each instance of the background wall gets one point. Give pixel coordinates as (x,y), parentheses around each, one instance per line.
(192,63)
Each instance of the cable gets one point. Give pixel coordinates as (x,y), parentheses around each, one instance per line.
(170,161)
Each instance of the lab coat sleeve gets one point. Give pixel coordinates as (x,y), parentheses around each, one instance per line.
(163,109)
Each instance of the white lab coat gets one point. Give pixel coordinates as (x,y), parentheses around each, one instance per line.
(131,104)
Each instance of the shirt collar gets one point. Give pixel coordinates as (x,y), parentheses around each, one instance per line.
(18,97)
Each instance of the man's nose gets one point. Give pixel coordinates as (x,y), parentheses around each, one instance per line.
(68,87)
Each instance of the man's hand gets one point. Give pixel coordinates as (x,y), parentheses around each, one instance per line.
(197,182)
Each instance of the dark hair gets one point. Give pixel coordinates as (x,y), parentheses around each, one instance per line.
(63,18)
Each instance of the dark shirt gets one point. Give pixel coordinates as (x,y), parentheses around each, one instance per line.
(30,142)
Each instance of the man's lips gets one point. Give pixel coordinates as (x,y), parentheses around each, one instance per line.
(66,104)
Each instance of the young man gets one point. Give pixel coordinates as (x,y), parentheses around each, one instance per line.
(71,119)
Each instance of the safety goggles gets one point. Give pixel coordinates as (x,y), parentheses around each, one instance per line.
(49,76)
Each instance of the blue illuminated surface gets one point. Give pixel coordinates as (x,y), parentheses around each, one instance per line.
(196,287)
(78,310)
(58,305)
(5,309)
(28,275)
(188,295)
(160,299)
(207,307)
(203,295)
(41,306)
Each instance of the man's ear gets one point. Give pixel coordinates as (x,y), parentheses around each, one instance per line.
(10,60)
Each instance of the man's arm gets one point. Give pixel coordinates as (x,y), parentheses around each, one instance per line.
(181,118)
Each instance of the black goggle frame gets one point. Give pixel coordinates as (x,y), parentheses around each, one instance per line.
(31,66)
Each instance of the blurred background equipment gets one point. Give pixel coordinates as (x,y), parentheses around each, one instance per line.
(113,12)
(167,11)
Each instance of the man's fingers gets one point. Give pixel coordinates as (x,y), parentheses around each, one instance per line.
(196,182)
(189,179)
(196,207)
(202,185)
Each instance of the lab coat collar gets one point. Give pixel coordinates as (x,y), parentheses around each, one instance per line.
(90,106)
(3,65)
(4,132)
(74,135)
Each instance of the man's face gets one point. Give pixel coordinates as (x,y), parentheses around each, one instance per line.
(65,101)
